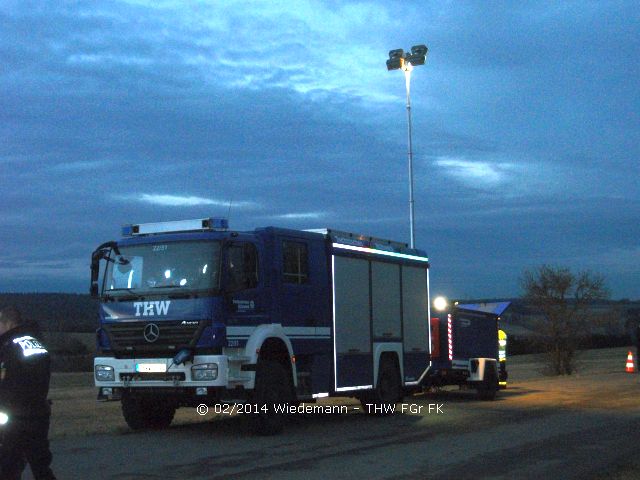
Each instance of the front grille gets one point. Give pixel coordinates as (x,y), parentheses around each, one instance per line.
(128,337)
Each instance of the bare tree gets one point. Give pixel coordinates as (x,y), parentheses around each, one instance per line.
(563,298)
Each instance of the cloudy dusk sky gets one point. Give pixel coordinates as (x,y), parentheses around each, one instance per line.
(526,130)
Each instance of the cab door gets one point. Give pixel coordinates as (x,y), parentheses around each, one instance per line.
(243,289)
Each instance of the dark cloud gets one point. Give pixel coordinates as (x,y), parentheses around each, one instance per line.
(525,131)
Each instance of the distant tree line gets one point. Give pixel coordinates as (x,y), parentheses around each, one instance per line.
(523,345)
(56,312)
(65,313)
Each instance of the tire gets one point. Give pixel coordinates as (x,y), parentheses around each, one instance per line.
(146,412)
(388,390)
(273,387)
(489,387)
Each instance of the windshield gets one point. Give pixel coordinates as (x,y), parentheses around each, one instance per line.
(183,266)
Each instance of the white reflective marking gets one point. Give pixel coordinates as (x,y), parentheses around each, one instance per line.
(30,346)
(450,336)
(359,387)
(320,395)
(311,332)
(429,321)
(380,252)
(333,296)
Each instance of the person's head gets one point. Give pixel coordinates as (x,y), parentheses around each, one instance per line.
(10,318)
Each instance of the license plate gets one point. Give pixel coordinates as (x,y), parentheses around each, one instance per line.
(151,367)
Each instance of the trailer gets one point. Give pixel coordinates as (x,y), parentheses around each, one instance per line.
(195,314)
(468,349)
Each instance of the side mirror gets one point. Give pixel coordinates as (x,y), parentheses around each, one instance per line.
(95,272)
(98,254)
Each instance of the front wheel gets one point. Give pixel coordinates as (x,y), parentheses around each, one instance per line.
(272,395)
(147,412)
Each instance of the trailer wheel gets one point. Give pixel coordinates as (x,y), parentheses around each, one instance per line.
(489,386)
(146,412)
(273,387)
(388,391)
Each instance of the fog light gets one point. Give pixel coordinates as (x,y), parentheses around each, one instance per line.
(104,373)
(204,372)
(107,391)
(201,391)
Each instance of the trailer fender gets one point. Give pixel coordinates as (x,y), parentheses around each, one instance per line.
(477,368)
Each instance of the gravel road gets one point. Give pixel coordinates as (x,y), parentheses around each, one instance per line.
(584,426)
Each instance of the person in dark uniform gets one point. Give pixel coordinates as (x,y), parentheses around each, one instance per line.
(24,408)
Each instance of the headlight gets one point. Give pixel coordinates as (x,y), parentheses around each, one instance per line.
(4,418)
(105,373)
(205,371)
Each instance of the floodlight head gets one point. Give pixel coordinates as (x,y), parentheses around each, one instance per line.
(395,63)
(396,59)
(418,55)
(419,50)
(415,59)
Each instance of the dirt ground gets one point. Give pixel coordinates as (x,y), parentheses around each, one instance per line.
(583,426)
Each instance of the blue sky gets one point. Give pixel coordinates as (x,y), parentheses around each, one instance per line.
(526,130)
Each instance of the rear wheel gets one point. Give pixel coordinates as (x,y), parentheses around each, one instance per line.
(489,386)
(388,390)
(273,389)
(146,412)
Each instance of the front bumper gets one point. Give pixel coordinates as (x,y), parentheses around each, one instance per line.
(127,375)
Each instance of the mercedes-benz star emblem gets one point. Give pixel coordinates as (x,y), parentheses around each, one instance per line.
(151,332)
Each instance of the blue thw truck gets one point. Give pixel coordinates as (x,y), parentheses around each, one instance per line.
(193,313)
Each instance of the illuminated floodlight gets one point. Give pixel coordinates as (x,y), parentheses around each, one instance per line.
(440,303)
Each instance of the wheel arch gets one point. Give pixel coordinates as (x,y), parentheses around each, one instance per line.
(269,342)
(387,352)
